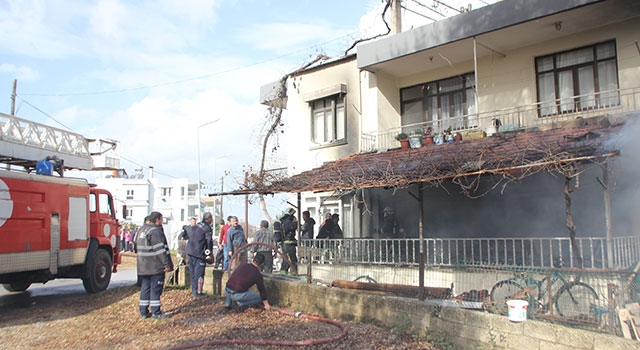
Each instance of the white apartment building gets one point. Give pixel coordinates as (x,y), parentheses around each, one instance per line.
(138,195)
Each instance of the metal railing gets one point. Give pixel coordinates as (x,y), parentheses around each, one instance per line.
(547,113)
(507,252)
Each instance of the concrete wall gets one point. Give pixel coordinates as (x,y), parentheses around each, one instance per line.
(467,329)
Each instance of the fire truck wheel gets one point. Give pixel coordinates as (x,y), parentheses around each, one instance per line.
(16,286)
(99,272)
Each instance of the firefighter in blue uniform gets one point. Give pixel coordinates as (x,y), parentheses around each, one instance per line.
(154,260)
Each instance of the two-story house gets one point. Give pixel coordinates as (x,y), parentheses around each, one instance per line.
(553,85)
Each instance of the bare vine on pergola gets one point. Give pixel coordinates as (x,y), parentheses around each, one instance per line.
(508,158)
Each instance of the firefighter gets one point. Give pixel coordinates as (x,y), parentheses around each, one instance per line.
(154,260)
(289,224)
(199,248)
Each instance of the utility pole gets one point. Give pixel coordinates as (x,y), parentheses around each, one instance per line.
(246,207)
(222,198)
(13,97)
(396,21)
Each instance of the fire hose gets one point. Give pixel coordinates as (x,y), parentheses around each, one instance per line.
(309,342)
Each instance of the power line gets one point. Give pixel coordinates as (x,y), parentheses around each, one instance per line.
(176,82)
(429,8)
(130,159)
(48,115)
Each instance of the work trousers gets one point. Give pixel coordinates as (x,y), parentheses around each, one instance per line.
(240,257)
(248,298)
(225,261)
(219,259)
(268,261)
(289,251)
(196,270)
(150,292)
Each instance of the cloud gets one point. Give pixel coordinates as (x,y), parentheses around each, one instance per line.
(22,73)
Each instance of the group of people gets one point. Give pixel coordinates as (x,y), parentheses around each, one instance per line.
(154,259)
(126,240)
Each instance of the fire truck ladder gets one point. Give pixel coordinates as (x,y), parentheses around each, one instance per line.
(23,143)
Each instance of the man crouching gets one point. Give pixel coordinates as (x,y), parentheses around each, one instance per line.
(239,297)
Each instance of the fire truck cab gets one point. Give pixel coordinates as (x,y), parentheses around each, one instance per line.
(52,226)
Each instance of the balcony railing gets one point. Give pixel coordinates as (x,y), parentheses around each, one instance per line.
(542,114)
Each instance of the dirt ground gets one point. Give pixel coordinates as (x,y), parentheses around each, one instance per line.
(110,320)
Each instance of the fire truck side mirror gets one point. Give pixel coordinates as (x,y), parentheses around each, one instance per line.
(124,212)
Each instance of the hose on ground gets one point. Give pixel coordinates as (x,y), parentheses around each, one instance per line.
(309,342)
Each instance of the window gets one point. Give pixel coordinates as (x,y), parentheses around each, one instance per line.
(105,204)
(447,103)
(328,119)
(129,213)
(129,194)
(165,191)
(579,79)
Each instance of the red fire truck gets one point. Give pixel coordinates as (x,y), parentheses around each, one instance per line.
(54,227)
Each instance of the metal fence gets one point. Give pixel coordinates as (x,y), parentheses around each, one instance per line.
(486,273)
(517,252)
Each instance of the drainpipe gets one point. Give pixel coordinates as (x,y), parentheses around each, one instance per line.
(421,233)
(475,75)
(607,214)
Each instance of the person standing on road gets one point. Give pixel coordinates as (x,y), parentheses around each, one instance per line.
(183,238)
(289,225)
(153,260)
(239,297)
(307,227)
(222,243)
(263,235)
(235,240)
(201,239)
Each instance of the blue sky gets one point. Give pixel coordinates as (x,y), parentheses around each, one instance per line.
(149,72)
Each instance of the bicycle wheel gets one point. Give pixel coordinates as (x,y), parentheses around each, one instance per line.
(575,301)
(502,292)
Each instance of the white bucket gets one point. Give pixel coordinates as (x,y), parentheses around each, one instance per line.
(517,310)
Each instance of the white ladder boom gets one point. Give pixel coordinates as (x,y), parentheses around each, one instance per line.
(23,143)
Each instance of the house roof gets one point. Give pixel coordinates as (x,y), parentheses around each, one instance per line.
(504,153)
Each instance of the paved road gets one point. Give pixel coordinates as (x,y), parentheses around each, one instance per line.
(39,293)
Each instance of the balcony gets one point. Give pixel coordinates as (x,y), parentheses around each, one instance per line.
(543,115)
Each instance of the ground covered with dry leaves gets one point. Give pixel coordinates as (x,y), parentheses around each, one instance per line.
(110,320)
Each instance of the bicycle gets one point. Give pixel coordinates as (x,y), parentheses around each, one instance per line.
(573,300)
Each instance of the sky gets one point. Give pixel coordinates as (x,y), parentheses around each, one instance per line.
(160,75)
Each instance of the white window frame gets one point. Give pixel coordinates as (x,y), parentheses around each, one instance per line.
(578,79)
(329,120)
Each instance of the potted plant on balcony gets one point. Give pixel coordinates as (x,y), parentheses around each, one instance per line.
(415,140)
(427,137)
(438,138)
(404,140)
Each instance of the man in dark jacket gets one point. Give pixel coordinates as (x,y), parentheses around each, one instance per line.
(235,240)
(154,259)
(200,240)
(307,227)
(289,226)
